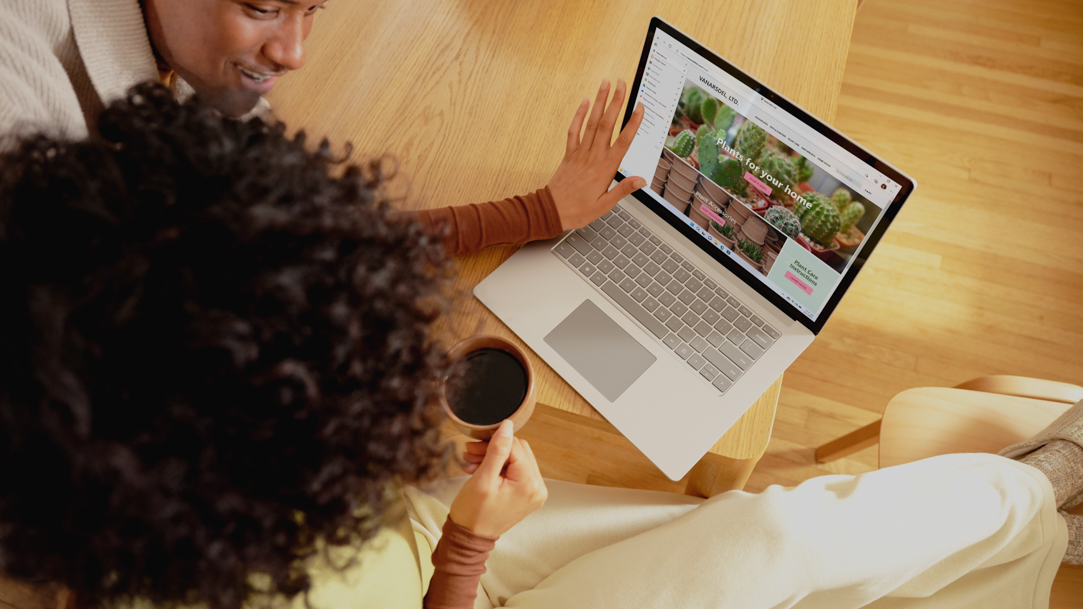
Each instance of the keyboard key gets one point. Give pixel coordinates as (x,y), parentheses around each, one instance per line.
(710,283)
(634,223)
(718,303)
(587,233)
(686,265)
(705,294)
(715,339)
(698,274)
(672,341)
(610,252)
(703,328)
(630,250)
(698,344)
(620,261)
(722,293)
(742,323)
(730,314)
(724,327)
(693,284)
(655,240)
(651,269)
(698,306)
(617,275)
(734,302)
(696,361)
(752,349)
(678,308)
(731,351)
(669,265)
(667,299)
(639,313)
(647,248)
(674,323)
(576,260)
(643,231)
(686,334)
(644,279)
(628,285)
(723,364)
(594,257)
(662,314)
(663,277)
(639,259)
(736,335)
(709,316)
(606,266)
(650,304)
(580,244)
(773,333)
(598,225)
(756,320)
(745,311)
(686,297)
(609,214)
(675,286)
(761,337)
(564,249)
(623,214)
(636,239)
(587,269)
(680,275)
(608,233)
(708,372)
(665,248)
(618,241)
(722,383)
(683,351)
(638,294)
(679,258)
(690,318)
(626,230)
(659,257)
(614,220)
(655,289)
(598,278)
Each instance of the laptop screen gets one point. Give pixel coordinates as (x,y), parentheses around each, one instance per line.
(777,196)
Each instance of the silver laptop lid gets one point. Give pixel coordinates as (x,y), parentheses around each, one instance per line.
(791,206)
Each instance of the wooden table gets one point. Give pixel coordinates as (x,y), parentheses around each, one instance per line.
(474,97)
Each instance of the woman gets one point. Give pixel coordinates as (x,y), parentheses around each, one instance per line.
(215,373)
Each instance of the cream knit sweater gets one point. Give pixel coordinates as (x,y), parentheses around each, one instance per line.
(63,61)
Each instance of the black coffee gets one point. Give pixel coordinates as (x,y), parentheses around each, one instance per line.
(488,387)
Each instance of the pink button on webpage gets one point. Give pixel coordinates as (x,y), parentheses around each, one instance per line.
(797,282)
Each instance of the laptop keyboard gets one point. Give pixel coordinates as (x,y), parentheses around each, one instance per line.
(704,325)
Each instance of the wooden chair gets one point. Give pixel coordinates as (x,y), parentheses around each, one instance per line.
(1018,386)
(982,415)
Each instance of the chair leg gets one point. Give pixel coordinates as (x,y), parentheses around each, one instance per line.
(849,444)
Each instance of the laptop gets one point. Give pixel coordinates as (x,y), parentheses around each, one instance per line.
(676,310)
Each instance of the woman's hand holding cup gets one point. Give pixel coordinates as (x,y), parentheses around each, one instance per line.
(506,485)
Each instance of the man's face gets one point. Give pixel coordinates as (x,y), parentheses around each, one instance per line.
(231,51)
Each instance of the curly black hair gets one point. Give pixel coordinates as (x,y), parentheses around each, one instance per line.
(214,353)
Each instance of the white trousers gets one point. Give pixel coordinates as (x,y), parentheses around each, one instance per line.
(971,530)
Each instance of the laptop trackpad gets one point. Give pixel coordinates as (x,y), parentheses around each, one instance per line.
(607,356)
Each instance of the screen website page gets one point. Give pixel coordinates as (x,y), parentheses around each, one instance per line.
(785,202)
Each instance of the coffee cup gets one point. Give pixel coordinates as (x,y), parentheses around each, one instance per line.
(491,380)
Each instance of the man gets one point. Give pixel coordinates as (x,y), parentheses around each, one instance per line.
(62,61)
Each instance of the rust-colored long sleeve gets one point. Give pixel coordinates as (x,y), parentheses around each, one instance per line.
(459,560)
(471,228)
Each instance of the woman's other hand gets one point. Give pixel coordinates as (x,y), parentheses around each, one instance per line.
(505,487)
(581,181)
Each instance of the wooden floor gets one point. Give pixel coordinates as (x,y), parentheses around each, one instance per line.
(982,102)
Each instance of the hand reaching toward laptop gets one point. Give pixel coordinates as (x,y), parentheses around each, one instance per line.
(506,485)
(581,181)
